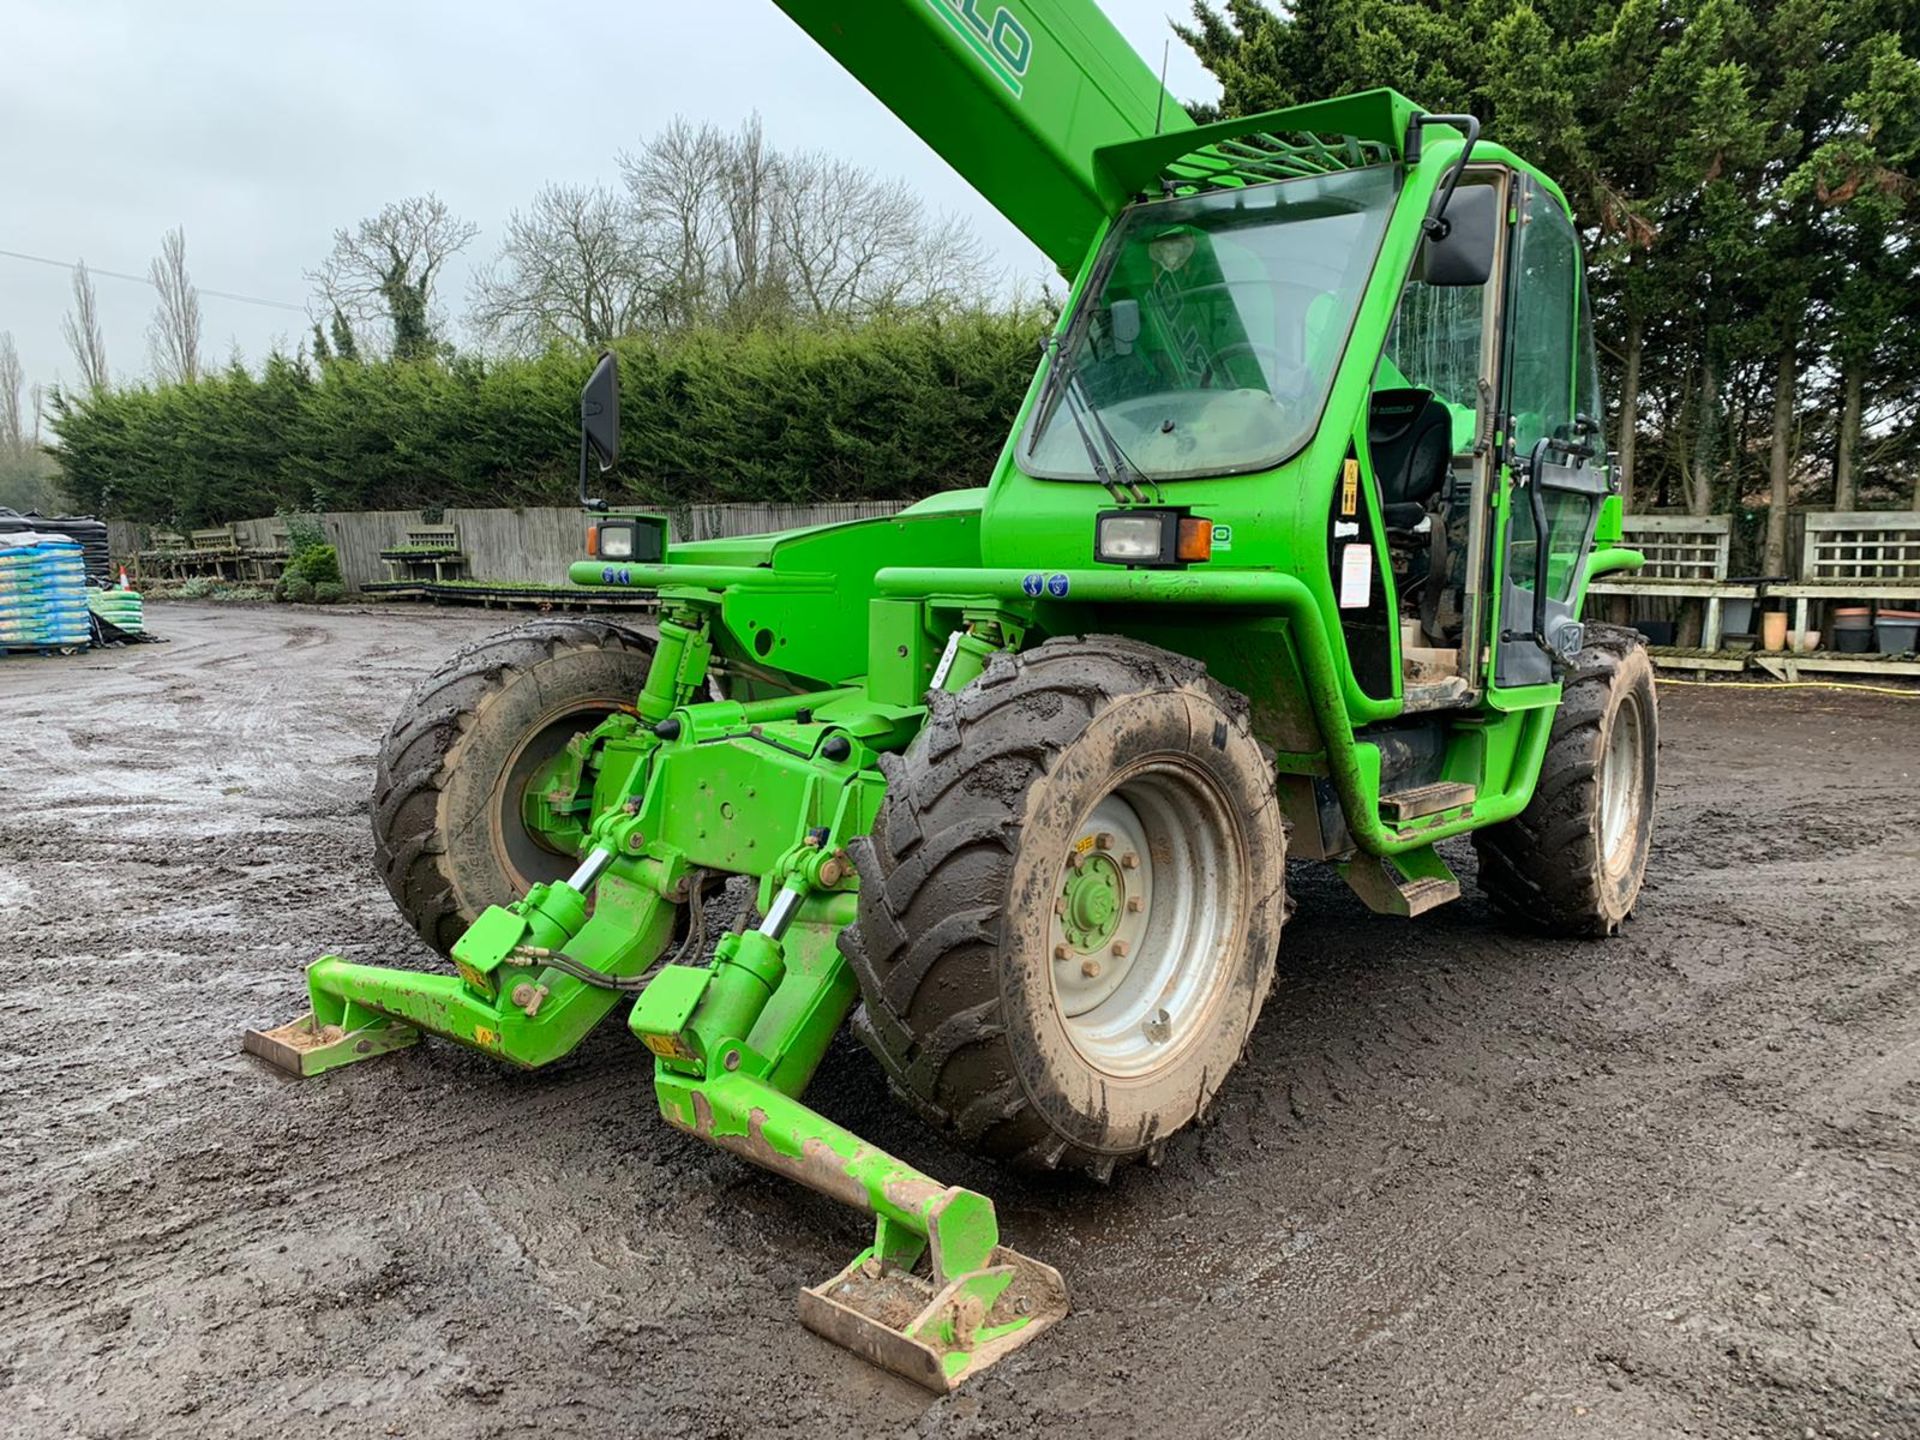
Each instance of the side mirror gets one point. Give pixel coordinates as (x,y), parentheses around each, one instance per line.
(1123,318)
(599,423)
(1462,250)
(600,411)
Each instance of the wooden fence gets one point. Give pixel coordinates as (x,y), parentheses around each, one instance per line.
(530,544)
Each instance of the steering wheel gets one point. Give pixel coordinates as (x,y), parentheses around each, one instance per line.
(1280,365)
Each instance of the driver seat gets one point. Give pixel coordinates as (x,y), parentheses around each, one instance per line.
(1410,437)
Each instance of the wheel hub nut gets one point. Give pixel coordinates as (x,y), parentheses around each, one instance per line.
(1090,968)
(1091,903)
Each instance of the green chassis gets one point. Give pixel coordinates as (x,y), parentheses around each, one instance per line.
(777,780)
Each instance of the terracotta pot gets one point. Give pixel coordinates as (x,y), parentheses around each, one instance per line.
(1773,630)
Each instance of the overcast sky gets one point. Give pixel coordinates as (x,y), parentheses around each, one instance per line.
(262,127)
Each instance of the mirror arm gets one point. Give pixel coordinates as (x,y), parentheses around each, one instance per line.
(585,463)
(1435,225)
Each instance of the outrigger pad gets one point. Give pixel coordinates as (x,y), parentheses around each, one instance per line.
(304,1047)
(895,1319)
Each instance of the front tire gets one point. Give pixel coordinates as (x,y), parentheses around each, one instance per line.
(1573,861)
(1070,904)
(447,831)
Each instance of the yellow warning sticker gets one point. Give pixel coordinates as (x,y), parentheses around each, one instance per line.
(1083,844)
(666,1046)
(1350,487)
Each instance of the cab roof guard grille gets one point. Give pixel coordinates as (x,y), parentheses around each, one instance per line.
(1353,131)
(1256,159)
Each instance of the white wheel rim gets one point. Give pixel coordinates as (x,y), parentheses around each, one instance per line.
(1134,988)
(1620,789)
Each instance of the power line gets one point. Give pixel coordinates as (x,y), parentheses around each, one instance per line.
(143,280)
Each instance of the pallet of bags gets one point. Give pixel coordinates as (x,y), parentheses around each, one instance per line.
(43,593)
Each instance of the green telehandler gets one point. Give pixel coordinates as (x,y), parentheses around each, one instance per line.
(1284,559)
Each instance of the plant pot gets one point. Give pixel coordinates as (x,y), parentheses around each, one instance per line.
(1853,630)
(1773,630)
(1739,644)
(1736,616)
(1657,632)
(1806,642)
(1896,631)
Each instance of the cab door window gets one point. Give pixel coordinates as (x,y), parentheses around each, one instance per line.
(1549,366)
(1542,336)
(1549,390)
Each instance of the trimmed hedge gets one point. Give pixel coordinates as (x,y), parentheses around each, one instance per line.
(890,410)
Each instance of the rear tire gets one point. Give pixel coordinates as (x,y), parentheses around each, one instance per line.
(448,837)
(1573,861)
(1014,991)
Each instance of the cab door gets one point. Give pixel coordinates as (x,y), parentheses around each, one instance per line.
(1553,474)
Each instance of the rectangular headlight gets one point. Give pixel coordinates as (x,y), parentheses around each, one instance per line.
(616,540)
(1135,538)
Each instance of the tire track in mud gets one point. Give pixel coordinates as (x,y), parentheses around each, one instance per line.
(1464,1183)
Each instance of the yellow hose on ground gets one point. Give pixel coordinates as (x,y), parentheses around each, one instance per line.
(1904,694)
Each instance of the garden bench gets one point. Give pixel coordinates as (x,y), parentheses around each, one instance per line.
(1868,555)
(427,552)
(270,559)
(1687,557)
(164,552)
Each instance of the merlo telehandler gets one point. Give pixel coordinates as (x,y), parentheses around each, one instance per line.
(1284,558)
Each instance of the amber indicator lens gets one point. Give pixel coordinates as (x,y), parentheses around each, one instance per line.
(1196,539)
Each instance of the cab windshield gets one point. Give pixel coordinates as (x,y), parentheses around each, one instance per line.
(1213,329)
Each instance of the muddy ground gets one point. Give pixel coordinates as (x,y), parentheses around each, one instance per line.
(1467,1183)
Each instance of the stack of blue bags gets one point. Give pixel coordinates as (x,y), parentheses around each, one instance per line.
(43,592)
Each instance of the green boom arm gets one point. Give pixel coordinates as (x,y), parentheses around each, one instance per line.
(1017,97)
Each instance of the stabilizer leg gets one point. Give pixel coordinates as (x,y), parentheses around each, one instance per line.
(508,999)
(309,1046)
(936,1297)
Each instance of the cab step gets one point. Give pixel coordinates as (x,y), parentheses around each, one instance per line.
(1408,884)
(1404,805)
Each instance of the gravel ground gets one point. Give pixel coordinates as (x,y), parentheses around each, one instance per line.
(1466,1183)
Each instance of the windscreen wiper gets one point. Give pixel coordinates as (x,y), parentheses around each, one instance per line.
(1130,474)
(1063,380)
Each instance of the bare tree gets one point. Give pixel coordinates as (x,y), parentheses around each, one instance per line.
(751,195)
(13,424)
(571,268)
(26,471)
(736,233)
(381,273)
(173,337)
(673,183)
(81,327)
(852,246)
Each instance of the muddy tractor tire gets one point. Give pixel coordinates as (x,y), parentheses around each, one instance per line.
(1070,905)
(1573,861)
(447,831)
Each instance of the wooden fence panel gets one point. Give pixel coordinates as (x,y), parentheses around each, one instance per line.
(532,544)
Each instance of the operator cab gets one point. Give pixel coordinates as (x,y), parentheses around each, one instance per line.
(1217,335)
